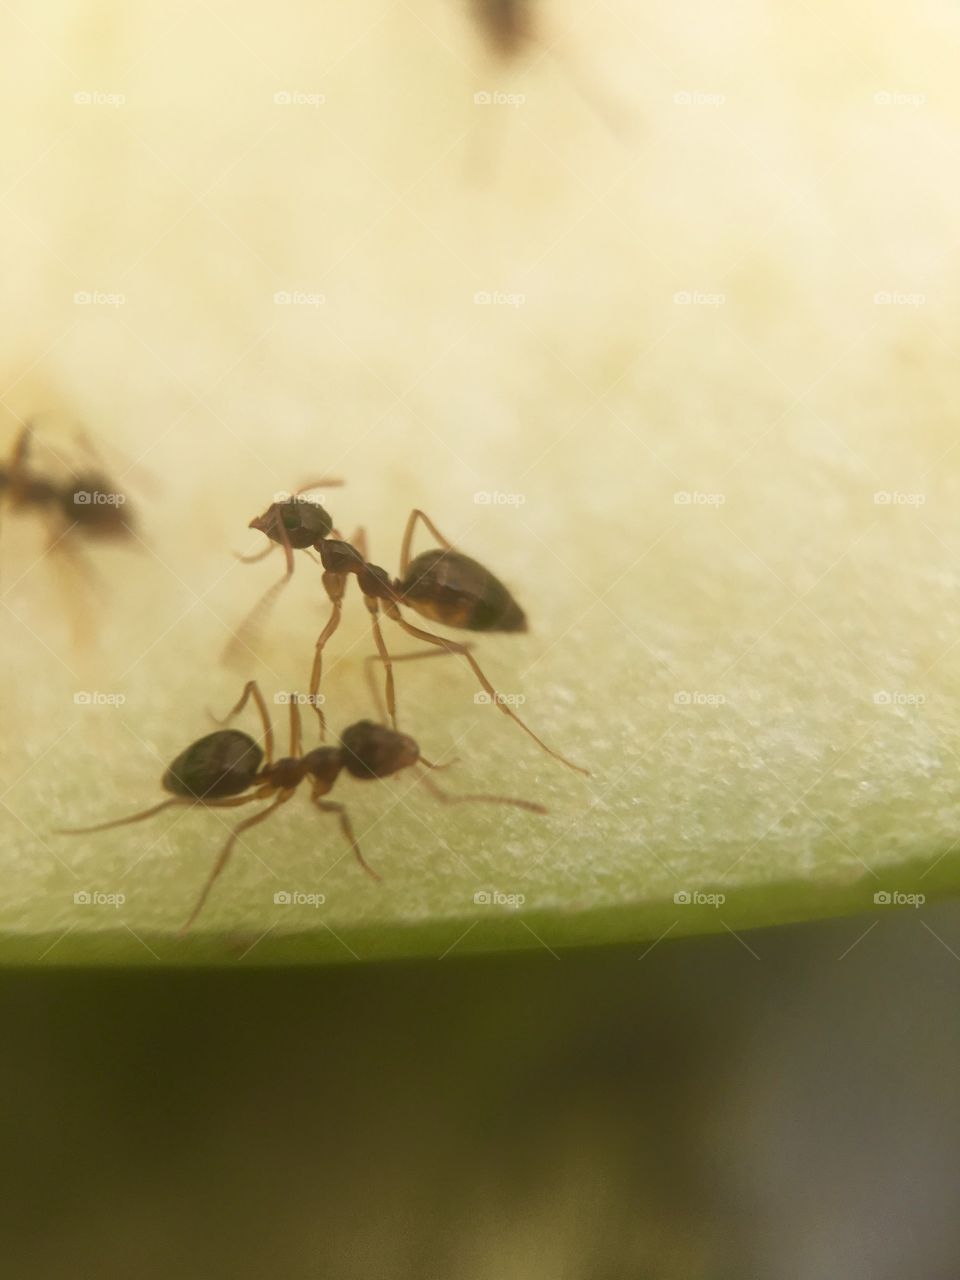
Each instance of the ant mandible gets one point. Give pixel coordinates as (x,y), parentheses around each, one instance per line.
(216,771)
(442,584)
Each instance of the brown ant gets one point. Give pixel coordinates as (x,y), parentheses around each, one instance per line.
(88,502)
(217,769)
(442,584)
(509,28)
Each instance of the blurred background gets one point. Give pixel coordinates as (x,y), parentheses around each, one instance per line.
(699,1112)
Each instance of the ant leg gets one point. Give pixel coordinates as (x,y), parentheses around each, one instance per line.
(334,584)
(296,749)
(384,657)
(330,806)
(396,657)
(252,688)
(227,850)
(230,803)
(453,646)
(447,798)
(257,557)
(231,653)
(122,822)
(416,515)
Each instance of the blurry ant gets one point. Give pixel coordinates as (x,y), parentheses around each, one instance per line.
(442,584)
(507,25)
(509,28)
(88,502)
(215,770)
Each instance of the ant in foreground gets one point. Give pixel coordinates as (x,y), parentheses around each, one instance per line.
(443,585)
(216,771)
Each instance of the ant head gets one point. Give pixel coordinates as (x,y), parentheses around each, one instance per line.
(95,505)
(296,521)
(324,764)
(373,751)
(221,764)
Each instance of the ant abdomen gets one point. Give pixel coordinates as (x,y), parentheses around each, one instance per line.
(221,764)
(458,591)
(372,750)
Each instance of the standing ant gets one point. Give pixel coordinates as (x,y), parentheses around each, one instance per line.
(217,769)
(442,584)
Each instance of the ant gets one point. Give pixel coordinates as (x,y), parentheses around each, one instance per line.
(442,584)
(509,28)
(88,502)
(216,771)
(507,25)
